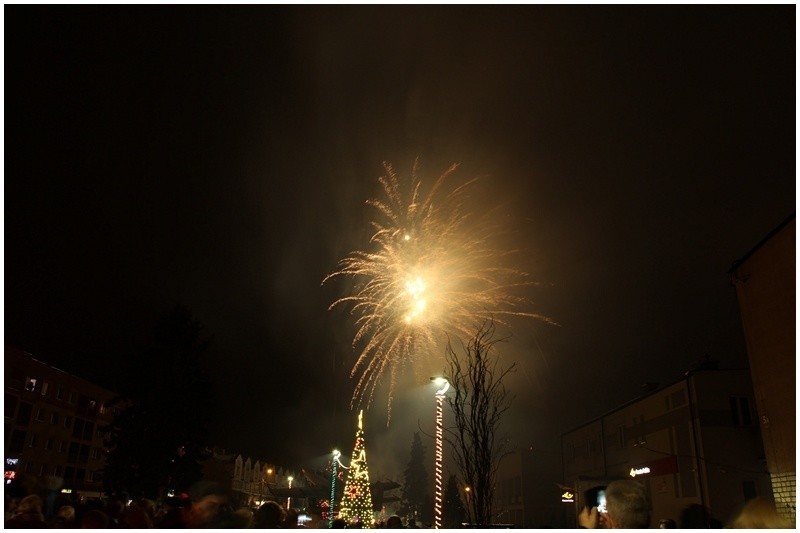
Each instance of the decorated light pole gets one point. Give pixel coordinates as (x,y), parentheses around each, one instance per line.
(336,455)
(437,505)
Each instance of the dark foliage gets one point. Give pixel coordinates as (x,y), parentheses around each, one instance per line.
(416,501)
(453,512)
(157,438)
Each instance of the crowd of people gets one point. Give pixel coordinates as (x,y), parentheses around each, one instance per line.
(209,506)
(628,507)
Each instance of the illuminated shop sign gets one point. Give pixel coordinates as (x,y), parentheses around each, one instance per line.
(568,497)
(658,467)
(12,461)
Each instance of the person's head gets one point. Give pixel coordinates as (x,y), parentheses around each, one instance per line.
(209,505)
(137,518)
(66,513)
(290,519)
(269,515)
(759,513)
(394,522)
(242,518)
(627,506)
(94,519)
(30,504)
(667,523)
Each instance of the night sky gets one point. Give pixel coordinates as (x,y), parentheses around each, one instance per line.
(220,158)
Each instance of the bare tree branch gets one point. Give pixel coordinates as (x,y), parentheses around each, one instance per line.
(479,401)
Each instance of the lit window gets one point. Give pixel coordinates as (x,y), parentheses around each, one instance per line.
(30,384)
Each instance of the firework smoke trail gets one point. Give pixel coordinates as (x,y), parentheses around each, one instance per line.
(430,272)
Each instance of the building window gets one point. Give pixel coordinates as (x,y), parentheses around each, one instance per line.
(62,446)
(43,470)
(59,393)
(69,473)
(95,453)
(740,411)
(41,414)
(48,444)
(88,431)
(34,441)
(90,476)
(44,389)
(10,405)
(67,421)
(54,418)
(30,384)
(57,470)
(72,455)
(24,414)
(622,436)
(29,467)
(73,396)
(17,441)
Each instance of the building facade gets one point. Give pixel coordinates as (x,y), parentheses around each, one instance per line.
(52,428)
(695,442)
(527,491)
(765,288)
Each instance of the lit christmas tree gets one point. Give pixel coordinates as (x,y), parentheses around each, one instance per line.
(357,500)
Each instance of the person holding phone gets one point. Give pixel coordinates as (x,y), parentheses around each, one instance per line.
(626,507)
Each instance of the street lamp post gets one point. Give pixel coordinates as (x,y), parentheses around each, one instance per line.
(437,506)
(336,455)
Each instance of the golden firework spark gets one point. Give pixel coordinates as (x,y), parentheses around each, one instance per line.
(430,271)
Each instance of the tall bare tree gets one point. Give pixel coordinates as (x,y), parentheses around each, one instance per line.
(478,401)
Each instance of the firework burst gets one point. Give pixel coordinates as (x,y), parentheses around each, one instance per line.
(430,271)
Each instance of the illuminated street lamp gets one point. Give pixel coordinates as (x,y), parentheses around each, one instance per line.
(336,455)
(443,385)
(289,498)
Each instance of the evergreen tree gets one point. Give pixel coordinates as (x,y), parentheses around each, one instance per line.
(453,512)
(156,439)
(416,500)
(356,503)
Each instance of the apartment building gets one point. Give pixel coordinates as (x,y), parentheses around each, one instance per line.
(765,288)
(696,441)
(52,427)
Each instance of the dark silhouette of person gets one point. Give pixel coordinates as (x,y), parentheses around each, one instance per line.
(626,508)
(28,514)
(269,516)
(394,522)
